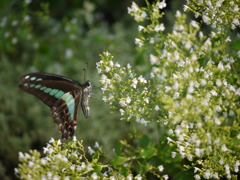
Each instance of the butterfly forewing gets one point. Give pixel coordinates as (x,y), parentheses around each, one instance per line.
(62,95)
(47,87)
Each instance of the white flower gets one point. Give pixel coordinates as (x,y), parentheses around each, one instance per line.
(220,66)
(215,176)
(59,142)
(26,18)
(134,84)
(217,121)
(14,40)
(153,59)
(221,162)
(236,9)
(218,82)
(90,150)
(117,77)
(68,53)
(134,8)
(49,175)
(161,5)
(224,148)
(146,100)
(138,177)
(128,100)
(111,63)
(140,28)
(96,145)
(151,40)
(235,21)
(138,42)
(141,121)
(51,140)
(156,108)
(178,13)
(159,27)
(238,91)
(94,175)
(165,176)
(206,19)
(176,95)
(130,177)
(28,1)
(107,53)
(7,34)
(122,102)
(143,14)
(121,112)
(185,7)
(15,23)
(173,154)
(203,82)
(43,161)
(129,66)
(190,89)
(105,99)
(107,69)
(197,177)
(207,174)
(228,39)
(213,92)
(47,149)
(160,168)
(21,155)
(194,24)
(16,171)
(142,79)
(117,65)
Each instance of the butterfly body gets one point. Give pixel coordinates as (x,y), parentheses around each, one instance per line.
(62,95)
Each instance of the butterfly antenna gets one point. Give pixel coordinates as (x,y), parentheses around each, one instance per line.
(84,75)
(85,72)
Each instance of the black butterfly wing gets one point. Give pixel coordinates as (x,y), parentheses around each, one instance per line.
(61,94)
(65,112)
(47,87)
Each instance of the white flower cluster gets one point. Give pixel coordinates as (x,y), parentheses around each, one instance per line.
(139,14)
(195,94)
(130,97)
(63,160)
(216,13)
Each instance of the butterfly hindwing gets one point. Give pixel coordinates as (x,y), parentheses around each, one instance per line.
(62,95)
(65,112)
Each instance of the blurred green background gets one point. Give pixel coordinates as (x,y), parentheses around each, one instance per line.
(59,37)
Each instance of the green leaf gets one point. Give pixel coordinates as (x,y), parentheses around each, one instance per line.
(148,152)
(235,45)
(118,149)
(97,168)
(143,141)
(96,156)
(118,160)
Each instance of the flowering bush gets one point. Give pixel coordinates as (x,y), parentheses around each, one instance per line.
(187,95)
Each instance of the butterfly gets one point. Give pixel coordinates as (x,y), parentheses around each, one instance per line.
(62,95)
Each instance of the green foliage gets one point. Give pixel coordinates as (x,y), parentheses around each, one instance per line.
(182,102)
